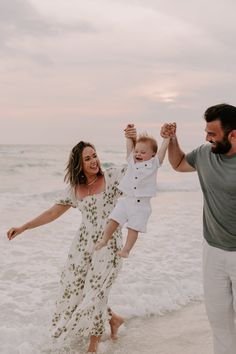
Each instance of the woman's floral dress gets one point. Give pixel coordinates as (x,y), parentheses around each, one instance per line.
(81,308)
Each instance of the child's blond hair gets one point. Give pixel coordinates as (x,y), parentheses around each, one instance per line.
(145,138)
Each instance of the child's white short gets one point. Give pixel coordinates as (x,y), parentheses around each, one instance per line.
(132,211)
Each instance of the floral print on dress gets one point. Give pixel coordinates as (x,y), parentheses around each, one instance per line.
(81,308)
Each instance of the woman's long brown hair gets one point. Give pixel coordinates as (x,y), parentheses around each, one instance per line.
(74,169)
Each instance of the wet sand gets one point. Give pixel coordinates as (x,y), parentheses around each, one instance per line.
(185,331)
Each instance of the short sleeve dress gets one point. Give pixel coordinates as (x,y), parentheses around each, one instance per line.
(81,308)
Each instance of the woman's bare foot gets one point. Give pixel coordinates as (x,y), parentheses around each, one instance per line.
(100,244)
(93,344)
(123,253)
(115,322)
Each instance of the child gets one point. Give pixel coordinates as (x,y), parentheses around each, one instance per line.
(138,186)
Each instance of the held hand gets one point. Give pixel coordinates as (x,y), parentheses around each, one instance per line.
(131,125)
(168,130)
(13,232)
(130,132)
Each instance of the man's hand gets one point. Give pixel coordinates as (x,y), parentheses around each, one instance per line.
(168,130)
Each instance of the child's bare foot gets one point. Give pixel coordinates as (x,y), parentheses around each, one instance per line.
(115,323)
(100,245)
(123,253)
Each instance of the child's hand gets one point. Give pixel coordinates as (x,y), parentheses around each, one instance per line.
(168,130)
(130,132)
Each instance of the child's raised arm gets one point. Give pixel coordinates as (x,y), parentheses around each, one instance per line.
(162,151)
(131,135)
(166,139)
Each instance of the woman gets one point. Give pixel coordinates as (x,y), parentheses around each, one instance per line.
(81,308)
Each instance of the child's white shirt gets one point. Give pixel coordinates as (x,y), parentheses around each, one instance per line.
(140,179)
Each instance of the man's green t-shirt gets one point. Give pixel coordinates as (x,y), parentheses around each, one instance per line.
(217,176)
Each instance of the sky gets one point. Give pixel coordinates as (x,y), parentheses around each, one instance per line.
(73,69)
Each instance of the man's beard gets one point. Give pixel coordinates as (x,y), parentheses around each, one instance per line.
(221,147)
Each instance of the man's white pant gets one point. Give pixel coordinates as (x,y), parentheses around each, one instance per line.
(219,275)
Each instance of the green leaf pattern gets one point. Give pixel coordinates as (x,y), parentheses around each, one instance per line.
(81,308)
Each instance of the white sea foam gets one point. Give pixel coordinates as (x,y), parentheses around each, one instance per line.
(162,274)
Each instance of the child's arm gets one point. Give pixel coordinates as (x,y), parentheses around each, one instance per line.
(162,151)
(170,133)
(130,134)
(129,146)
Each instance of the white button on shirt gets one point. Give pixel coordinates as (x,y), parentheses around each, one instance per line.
(140,178)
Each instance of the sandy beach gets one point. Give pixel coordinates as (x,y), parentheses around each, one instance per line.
(185,331)
(156,279)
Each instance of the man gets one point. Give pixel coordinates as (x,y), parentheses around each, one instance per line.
(215,164)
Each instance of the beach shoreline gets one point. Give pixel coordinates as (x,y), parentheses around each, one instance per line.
(163,273)
(185,331)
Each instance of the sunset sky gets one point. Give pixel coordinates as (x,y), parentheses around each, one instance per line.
(73,69)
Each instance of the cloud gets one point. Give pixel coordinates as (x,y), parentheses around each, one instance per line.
(80,62)
(19,20)
(211,23)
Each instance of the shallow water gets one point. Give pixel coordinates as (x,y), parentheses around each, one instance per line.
(162,274)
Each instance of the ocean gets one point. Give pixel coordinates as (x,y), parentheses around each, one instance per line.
(162,274)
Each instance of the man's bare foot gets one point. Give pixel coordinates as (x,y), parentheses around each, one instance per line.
(115,323)
(123,253)
(100,244)
(93,344)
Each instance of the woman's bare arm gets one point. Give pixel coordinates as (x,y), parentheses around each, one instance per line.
(46,217)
